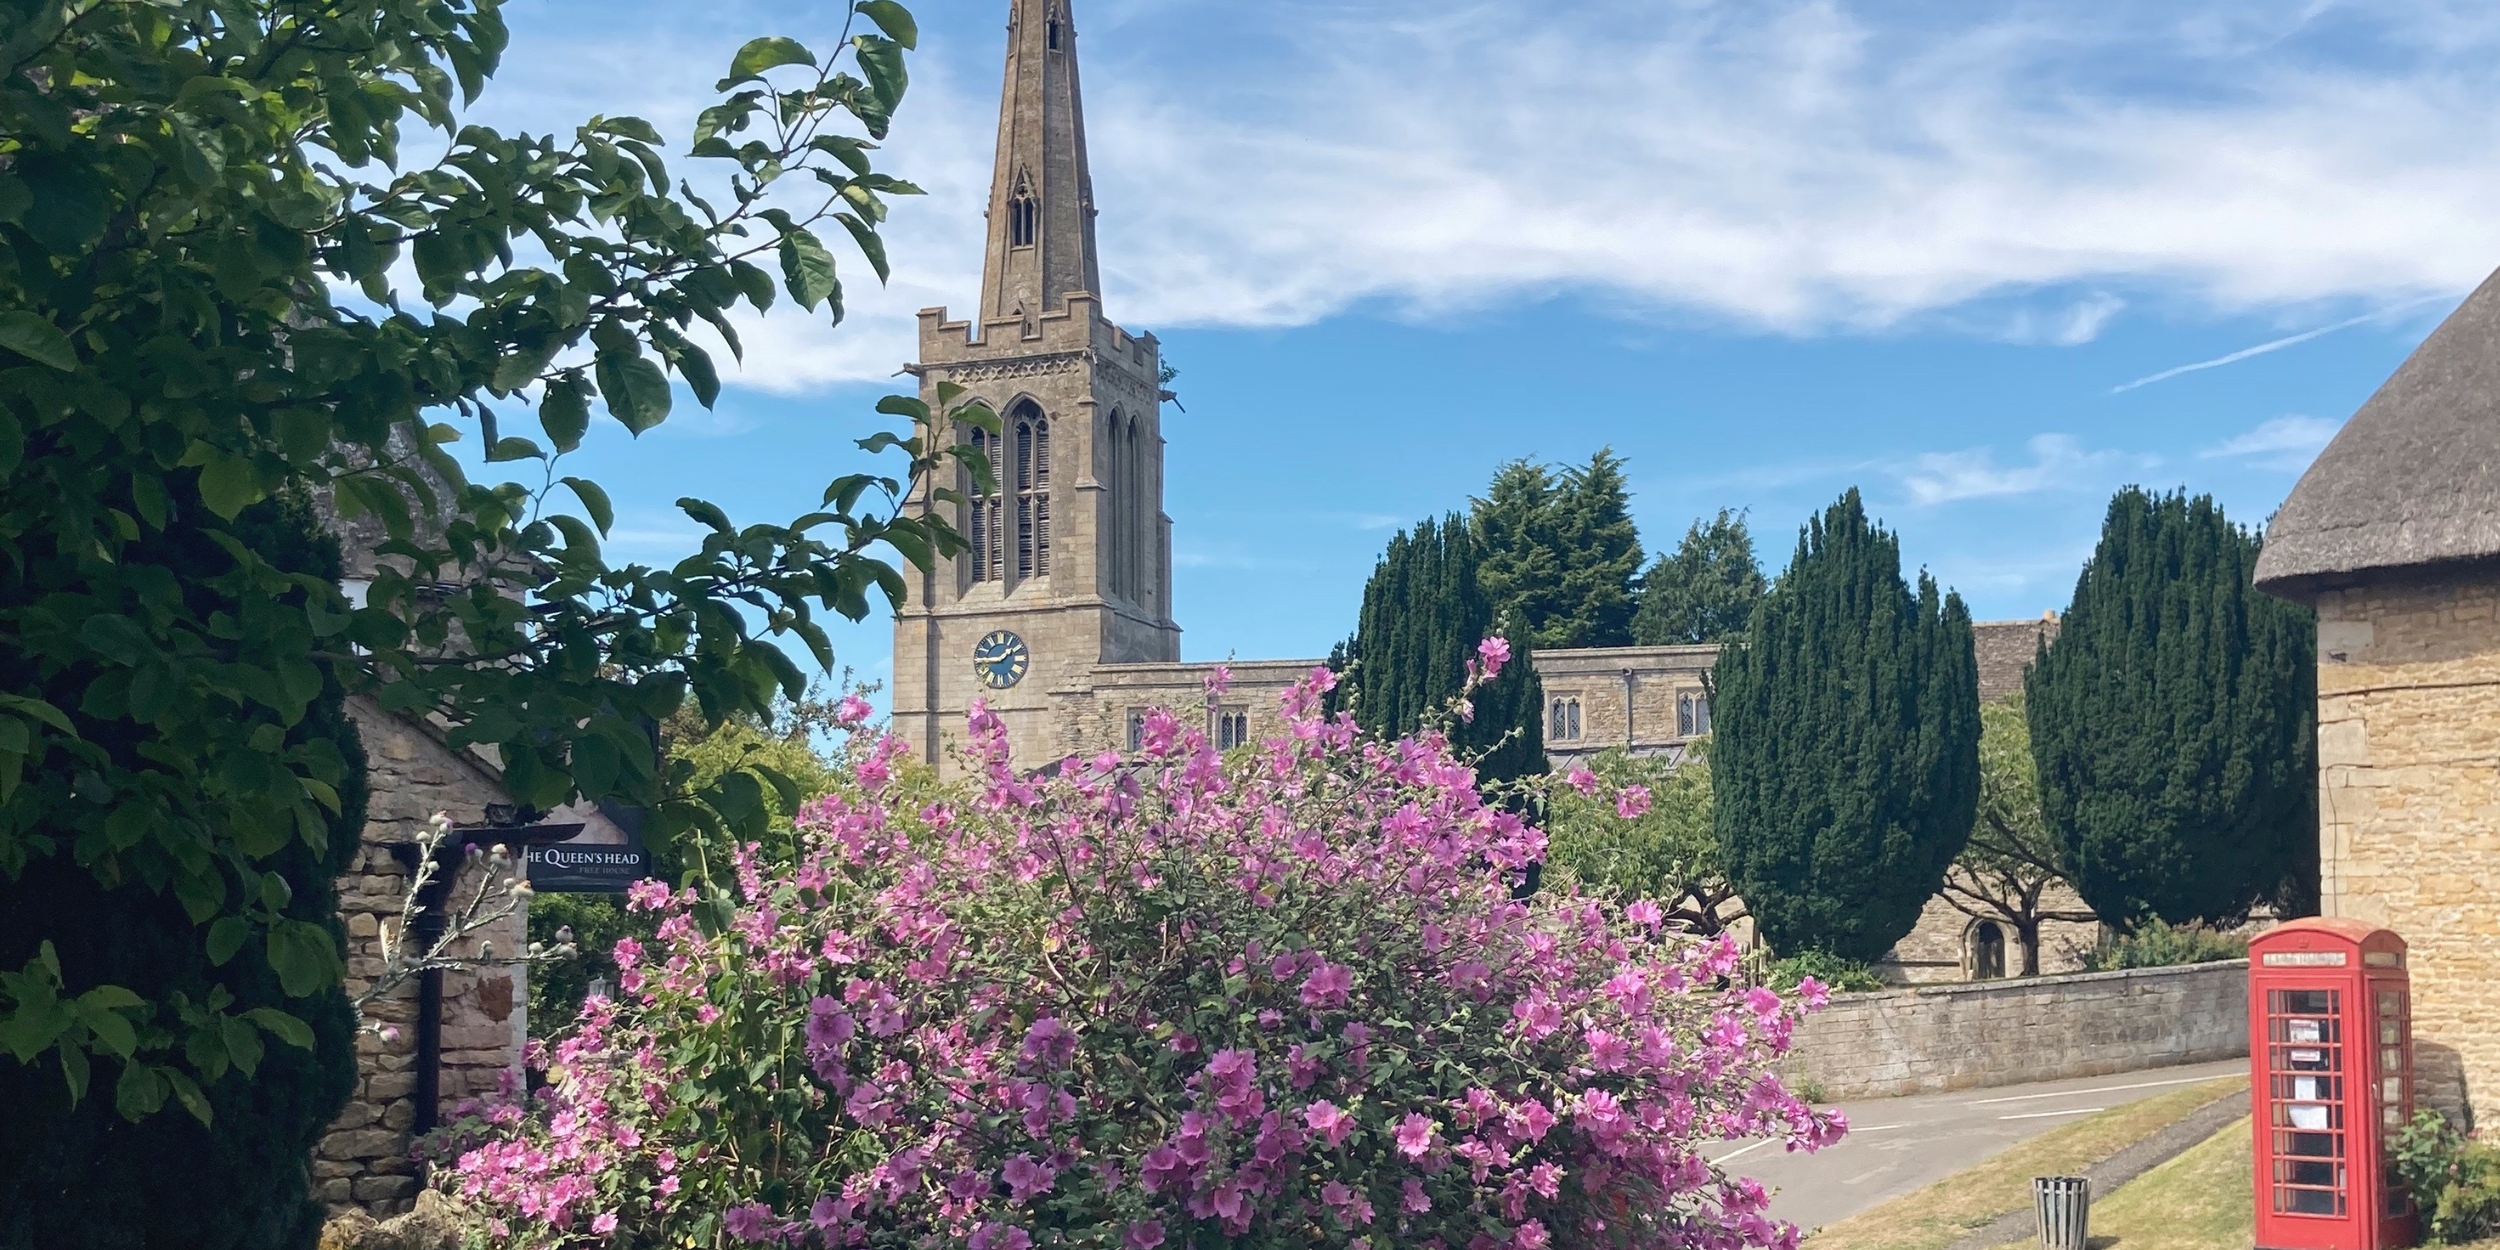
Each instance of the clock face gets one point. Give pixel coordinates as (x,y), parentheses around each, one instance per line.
(1000,659)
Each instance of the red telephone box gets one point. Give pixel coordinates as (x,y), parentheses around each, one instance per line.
(2331,1047)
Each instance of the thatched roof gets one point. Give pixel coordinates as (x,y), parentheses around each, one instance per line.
(2414,478)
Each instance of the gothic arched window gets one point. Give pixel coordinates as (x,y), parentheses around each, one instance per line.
(1032,485)
(988,510)
(1117,476)
(1024,213)
(1987,953)
(1133,515)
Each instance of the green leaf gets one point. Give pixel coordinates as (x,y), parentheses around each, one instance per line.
(767,52)
(513,448)
(226,937)
(29,335)
(139,1093)
(74,1068)
(243,1044)
(637,391)
(564,411)
(708,514)
(305,957)
(188,1094)
(808,269)
(594,501)
(229,485)
(870,245)
(895,20)
(882,61)
(282,1026)
(695,365)
(112,1031)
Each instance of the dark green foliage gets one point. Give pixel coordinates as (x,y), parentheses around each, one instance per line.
(1424,612)
(2454,1179)
(1846,758)
(81,1175)
(2157,945)
(2172,721)
(185,186)
(1705,590)
(1560,553)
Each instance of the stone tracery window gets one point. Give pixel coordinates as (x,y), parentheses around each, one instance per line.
(1692,714)
(1117,477)
(1232,728)
(1032,486)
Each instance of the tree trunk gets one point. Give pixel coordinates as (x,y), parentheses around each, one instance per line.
(2027,932)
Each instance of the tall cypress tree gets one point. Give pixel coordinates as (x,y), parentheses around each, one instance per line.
(1424,611)
(1846,758)
(2173,723)
(1703,591)
(1561,556)
(78,1174)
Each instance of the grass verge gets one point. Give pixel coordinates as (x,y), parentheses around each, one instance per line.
(1966,1201)
(2201,1200)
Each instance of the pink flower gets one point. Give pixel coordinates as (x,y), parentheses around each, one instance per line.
(1646,914)
(1143,1235)
(1049,1043)
(1608,1052)
(1414,1200)
(1414,1135)
(1813,993)
(852,710)
(1329,1121)
(747,1221)
(1531,1236)
(1631,801)
(603,1224)
(1495,652)
(1026,1178)
(1327,985)
(1581,779)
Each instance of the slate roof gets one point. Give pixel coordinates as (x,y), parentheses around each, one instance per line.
(2414,478)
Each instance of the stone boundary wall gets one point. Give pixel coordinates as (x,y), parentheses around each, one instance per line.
(2032,1029)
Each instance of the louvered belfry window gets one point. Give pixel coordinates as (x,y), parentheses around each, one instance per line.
(988,510)
(1032,484)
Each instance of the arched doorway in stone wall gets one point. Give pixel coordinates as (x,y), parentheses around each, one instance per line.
(1987,951)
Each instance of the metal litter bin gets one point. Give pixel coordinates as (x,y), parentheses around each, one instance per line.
(2065,1207)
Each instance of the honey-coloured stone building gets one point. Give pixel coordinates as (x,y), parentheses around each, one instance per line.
(2393,536)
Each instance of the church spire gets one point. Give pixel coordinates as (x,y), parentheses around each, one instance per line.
(1042,194)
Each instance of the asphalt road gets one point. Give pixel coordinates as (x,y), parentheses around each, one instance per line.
(1896,1145)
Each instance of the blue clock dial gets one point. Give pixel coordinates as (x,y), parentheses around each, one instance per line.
(1000,659)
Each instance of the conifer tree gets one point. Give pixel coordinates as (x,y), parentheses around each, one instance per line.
(2172,723)
(1561,555)
(1705,590)
(1846,758)
(1424,611)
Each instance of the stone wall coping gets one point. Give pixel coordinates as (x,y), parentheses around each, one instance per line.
(1178,669)
(2024,984)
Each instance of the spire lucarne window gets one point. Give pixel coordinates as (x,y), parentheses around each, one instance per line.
(1024,213)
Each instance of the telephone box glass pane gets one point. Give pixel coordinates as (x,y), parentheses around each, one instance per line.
(2305,1057)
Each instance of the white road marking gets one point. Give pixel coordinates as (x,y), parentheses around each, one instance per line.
(2042,1115)
(2085,1093)
(1854,1130)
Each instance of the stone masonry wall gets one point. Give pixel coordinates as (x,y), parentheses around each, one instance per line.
(2008,1032)
(364,1160)
(1940,948)
(2409,804)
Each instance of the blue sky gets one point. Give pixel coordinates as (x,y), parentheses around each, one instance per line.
(1764,250)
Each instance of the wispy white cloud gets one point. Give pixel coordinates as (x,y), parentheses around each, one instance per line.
(2058,462)
(2282,443)
(1796,166)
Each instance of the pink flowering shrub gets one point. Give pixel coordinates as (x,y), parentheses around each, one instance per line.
(1280,998)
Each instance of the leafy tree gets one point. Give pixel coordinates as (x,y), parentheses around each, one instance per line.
(72,1172)
(1560,552)
(1669,853)
(2006,871)
(1846,756)
(1705,591)
(2172,722)
(186,189)
(1424,613)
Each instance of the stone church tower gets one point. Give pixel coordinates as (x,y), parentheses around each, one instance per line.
(1070,564)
